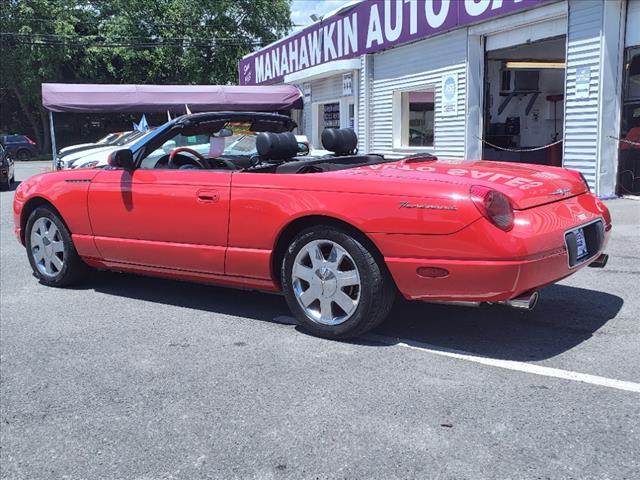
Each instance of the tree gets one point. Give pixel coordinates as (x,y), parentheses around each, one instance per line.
(125,41)
(26,63)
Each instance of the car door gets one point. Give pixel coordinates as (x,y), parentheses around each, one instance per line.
(174,219)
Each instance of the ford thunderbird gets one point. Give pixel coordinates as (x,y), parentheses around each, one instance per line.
(225,198)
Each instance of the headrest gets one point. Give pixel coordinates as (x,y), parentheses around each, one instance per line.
(341,141)
(276,146)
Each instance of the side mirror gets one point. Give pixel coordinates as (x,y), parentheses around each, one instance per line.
(121,159)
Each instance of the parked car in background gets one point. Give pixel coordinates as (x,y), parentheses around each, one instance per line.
(108,139)
(19,147)
(96,152)
(7,176)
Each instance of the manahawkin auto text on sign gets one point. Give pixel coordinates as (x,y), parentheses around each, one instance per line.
(368,27)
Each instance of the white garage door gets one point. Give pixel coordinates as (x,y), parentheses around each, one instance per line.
(527,34)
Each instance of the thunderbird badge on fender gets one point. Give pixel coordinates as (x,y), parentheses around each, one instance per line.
(427,207)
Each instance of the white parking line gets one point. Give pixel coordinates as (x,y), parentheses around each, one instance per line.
(508,364)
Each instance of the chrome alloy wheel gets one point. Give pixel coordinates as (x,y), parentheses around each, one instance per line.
(47,247)
(326,282)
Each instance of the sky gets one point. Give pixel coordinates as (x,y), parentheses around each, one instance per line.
(302,9)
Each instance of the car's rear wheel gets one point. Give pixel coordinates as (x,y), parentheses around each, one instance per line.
(334,284)
(51,253)
(23,155)
(6,184)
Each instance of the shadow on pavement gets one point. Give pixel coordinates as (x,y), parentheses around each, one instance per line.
(214,299)
(564,317)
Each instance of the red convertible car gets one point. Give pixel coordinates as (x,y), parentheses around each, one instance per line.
(225,198)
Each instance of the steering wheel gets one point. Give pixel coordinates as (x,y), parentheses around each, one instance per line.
(199,160)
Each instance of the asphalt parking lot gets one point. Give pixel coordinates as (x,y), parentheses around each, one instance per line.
(131,377)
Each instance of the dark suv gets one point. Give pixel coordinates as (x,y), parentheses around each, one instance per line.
(7,175)
(19,147)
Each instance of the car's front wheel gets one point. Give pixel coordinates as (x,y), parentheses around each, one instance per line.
(50,249)
(334,284)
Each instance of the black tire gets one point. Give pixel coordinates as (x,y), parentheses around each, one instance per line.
(73,268)
(376,290)
(23,155)
(6,184)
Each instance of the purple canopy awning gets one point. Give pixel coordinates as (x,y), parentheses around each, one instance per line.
(96,98)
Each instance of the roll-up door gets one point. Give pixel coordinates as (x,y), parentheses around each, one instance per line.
(527,34)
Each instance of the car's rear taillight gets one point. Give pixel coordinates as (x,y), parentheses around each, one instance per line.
(30,141)
(494,206)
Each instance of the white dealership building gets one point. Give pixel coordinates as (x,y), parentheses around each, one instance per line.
(535,81)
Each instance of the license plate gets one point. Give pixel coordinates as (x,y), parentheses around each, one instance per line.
(581,243)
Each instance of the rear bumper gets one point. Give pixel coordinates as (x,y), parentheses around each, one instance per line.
(479,280)
(484,264)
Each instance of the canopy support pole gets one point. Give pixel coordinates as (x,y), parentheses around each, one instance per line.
(53,141)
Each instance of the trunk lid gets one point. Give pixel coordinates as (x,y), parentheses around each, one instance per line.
(526,185)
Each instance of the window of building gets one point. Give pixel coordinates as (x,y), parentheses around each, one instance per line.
(415,118)
(331,115)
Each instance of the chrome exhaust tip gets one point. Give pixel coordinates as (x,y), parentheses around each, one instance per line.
(527,301)
(600,262)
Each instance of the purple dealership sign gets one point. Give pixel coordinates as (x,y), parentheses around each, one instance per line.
(368,27)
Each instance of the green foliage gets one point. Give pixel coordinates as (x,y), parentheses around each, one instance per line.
(125,41)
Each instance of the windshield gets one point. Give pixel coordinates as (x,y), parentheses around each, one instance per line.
(129,137)
(107,138)
(234,141)
(110,138)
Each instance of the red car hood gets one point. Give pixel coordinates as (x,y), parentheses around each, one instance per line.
(526,185)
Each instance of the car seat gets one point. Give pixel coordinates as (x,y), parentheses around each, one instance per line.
(340,141)
(276,147)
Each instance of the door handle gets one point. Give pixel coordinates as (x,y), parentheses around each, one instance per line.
(208,196)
